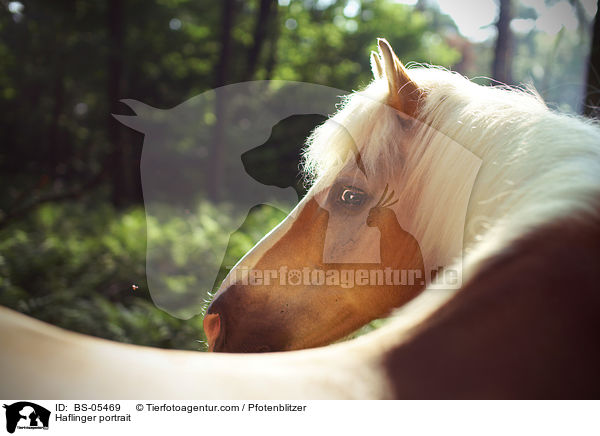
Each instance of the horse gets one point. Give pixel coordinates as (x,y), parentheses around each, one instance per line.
(398,173)
(398,133)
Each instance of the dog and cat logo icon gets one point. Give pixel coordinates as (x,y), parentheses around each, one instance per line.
(26,415)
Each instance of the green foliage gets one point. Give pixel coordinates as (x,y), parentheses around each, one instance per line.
(86,272)
(546,61)
(331,46)
(64,66)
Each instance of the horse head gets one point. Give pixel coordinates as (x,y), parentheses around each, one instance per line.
(320,274)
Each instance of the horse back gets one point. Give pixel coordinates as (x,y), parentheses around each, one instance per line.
(526,325)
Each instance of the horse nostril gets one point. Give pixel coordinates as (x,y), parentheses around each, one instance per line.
(212,329)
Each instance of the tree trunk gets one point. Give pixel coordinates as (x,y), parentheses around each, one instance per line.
(56,152)
(502,64)
(119,175)
(216,160)
(261,26)
(273,39)
(592,99)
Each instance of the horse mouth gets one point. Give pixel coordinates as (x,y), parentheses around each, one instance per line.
(214,329)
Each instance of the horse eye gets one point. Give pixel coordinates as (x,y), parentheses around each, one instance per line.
(352,196)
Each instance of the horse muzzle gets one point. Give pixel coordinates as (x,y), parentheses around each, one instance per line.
(233,325)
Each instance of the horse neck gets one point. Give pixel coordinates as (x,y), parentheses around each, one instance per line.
(535,164)
(541,183)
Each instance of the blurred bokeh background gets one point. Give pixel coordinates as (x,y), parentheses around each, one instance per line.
(72,223)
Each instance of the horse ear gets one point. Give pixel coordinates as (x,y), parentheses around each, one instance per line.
(139,121)
(404,93)
(376,67)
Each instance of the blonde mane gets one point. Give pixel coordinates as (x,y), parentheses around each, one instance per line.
(536,164)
